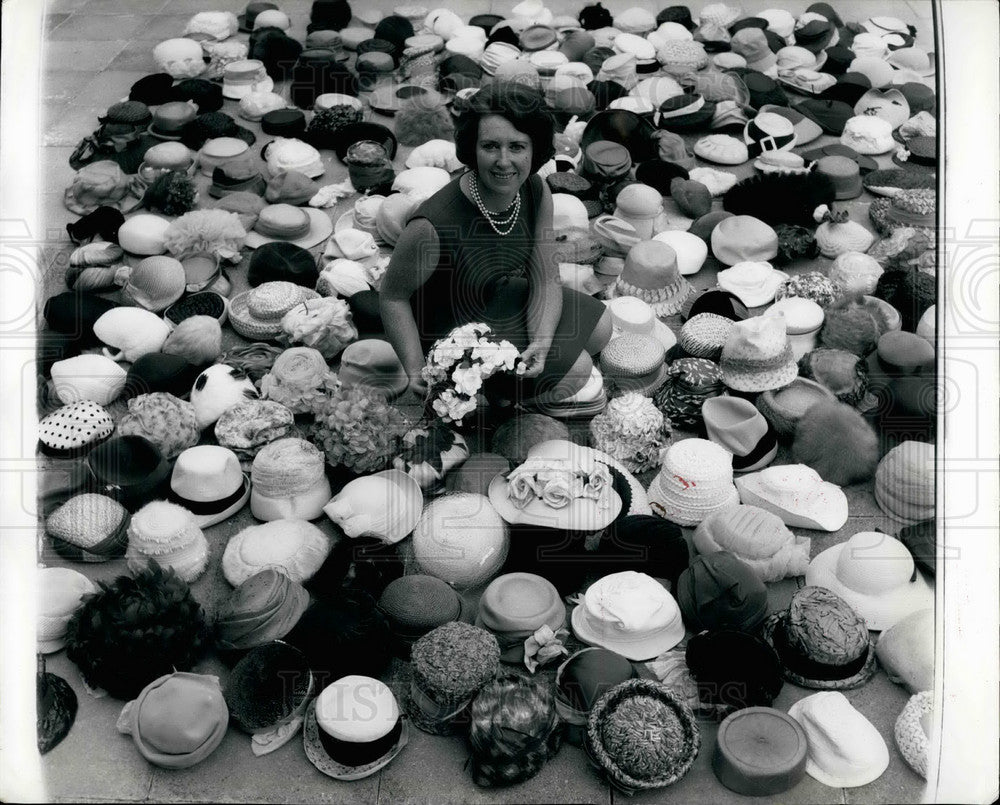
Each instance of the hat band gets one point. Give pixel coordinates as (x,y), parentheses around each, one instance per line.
(567,712)
(690,109)
(211,506)
(112,545)
(767,443)
(761,142)
(905,155)
(437,715)
(351,754)
(802,666)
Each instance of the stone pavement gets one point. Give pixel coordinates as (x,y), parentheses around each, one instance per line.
(94,51)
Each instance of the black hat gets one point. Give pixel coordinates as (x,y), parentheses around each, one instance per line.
(659,174)
(486,21)
(206,95)
(342,634)
(684,113)
(646,543)
(130,469)
(318,72)
(104,222)
(633,131)
(157,371)
(74,313)
(679,14)
(282,261)
(268,686)
(347,135)
(459,63)
(826,10)
(780,198)
(210,125)
(375,45)
(703,226)
(247,18)
(831,115)
(278,51)
(153,89)
(763,89)
(595,16)
(838,59)
(907,410)
(815,36)
(910,291)
(56,708)
(755,681)
(605,92)
(721,303)
(794,243)
(329,15)
(774,41)
(504,34)
(845,93)
(748,22)
(284,123)
(395,30)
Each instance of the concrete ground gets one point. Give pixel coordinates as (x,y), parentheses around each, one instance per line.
(94,51)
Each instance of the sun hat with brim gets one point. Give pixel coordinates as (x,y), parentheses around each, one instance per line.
(267,694)
(302,226)
(760,751)
(178,720)
(450,665)
(797,494)
(415,605)
(642,736)
(354,728)
(784,407)
(256,314)
(845,749)
(514,606)
(515,500)
(913,58)
(821,641)
(876,575)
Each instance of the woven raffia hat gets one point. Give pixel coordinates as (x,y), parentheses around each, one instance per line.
(630,613)
(913,731)
(89,528)
(450,665)
(695,480)
(167,532)
(705,334)
(797,495)
(876,575)
(289,481)
(634,362)
(642,736)
(904,482)
(758,356)
(256,314)
(651,273)
(821,641)
(354,728)
(416,604)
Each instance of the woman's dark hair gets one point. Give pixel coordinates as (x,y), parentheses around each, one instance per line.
(522,106)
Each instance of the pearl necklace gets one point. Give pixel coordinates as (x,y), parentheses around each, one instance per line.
(494,218)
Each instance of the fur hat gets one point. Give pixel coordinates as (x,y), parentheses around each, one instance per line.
(514,730)
(854,325)
(780,198)
(135,630)
(197,339)
(837,442)
(910,291)
(794,243)
(423,118)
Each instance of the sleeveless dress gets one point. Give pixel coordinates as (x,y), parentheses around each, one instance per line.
(482,276)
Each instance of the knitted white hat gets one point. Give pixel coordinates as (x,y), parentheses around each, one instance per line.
(696,479)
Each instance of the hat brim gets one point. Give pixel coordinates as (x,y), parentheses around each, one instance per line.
(321,760)
(879,611)
(764,296)
(389,98)
(847,683)
(581,515)
(159,135)
(213,518)
(820,516)
(320,228)
(645,388)
(670,512)
(635,650)
(348,221)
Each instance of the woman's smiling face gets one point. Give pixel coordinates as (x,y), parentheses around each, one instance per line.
(503,156)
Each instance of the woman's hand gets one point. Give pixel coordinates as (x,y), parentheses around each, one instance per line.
(418,386)
(533,359)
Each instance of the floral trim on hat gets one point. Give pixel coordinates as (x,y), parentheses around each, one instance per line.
(558,483)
